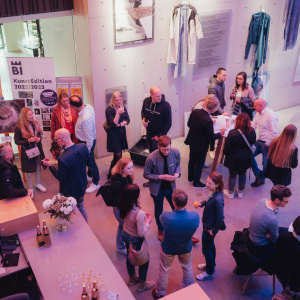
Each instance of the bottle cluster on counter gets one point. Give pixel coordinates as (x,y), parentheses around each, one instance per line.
(43,239)
(95,295)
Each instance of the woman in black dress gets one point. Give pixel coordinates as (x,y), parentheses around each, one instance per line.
(238,153)
(282,156)
(117,118)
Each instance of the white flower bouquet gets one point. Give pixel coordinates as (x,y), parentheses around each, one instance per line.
(60,207)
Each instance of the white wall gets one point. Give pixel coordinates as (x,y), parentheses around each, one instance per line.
(133,64)
(13,32)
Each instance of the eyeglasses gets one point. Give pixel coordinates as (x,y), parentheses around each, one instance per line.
(55,140)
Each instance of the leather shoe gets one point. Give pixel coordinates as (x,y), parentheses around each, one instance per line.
(195,240)
(146,184)
(155,296)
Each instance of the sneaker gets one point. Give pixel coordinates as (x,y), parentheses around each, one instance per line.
(92,188)
(160,235)
(145,285)
(133,280)
(204,276)
(32,195)
(122,251)
(228,194)
(195,240)
(89,179)
(155,296)
(146,184)
(41,188)
(200,185)
(240,194)
(201,267)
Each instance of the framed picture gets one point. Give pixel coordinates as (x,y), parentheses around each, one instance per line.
(133,21)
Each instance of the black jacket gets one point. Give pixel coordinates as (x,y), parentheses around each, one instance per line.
(118,183)
(201,131)
(159,116)
(11,185)
(238,154)
(218,88)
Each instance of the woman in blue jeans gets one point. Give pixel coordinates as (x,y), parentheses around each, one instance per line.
(213,221)
(136,225)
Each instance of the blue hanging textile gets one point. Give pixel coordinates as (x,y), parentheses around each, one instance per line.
(292,24)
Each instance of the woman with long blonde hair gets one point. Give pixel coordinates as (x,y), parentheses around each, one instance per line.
(282,156)
(28,135)
(117,118)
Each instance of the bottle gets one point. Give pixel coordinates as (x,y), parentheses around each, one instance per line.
(39,237)
(84,293)
(96,289)
(44,224)
(94,295)
(47,240)
(83,297)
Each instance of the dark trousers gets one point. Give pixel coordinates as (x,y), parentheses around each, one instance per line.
(195,165)
(263,149)
(232,179)
(159,204)
(152,144)
(137,242)
(81,208)
(209,251)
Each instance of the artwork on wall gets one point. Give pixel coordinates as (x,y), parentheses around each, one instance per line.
(121,89)
(9,114)
(133,21)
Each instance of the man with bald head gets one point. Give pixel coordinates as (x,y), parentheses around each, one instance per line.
(267,123)
(72,164)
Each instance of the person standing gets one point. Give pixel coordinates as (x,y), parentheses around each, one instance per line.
(238,153)
(63,116)
(179,227)
(267,123)
(162,168)
(217,86)
(71,171)
(117,118)
(11,185)
(213,221)
(282,156)
(200,136)
(29,135)
(85,132)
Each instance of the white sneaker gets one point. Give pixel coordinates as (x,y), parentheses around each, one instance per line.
(228,194)
(40,188)
(202,266)
(240,194)
(122,251)
(92,188)
(89,179)
(204,276)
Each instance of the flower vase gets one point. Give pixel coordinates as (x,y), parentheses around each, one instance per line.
(61,224)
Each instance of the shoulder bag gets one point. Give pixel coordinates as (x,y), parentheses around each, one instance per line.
(106,192)
(32,152)
(252,148)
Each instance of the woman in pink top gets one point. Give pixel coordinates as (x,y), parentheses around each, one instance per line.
(136,225)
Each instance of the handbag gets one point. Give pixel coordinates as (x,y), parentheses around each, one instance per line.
(32,152)
(252,148)
(106,126)
(106,192)
(138,257)
(247,104)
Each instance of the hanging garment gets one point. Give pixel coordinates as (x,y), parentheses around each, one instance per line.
(292,24)
(185,27)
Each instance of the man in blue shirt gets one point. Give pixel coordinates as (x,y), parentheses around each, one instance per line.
(179,227)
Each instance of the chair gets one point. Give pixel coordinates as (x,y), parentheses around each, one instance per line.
(22,296)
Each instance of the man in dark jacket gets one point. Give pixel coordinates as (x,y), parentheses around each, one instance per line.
(200,135)
(217,85)
(11,185)
(72,165)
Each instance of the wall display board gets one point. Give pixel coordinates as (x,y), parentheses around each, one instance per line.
(133,21)
(9,114)
(121,89)
(33,79)
(212,48)
(297,71)
(69,85)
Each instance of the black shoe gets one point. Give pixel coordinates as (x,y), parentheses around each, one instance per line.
(199,185)
(155,296)
(257,181)
(146,184)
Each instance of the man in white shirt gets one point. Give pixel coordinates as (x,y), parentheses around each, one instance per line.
(85,132)
(267,123)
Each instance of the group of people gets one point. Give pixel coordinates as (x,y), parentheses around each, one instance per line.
(73,125)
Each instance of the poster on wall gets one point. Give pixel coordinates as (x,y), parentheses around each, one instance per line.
(33,79)
(133,21)
(297,71)
(70,85)
(9,114)
(121,89)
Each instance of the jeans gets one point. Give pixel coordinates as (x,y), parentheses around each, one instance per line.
(159,204)
(143,269)
(232,180)
(263,149)
(209,251)
(152,144)
(166,261)
(195,165)
(81,207)
(119,240)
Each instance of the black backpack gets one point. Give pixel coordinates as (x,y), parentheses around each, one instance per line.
(108,194)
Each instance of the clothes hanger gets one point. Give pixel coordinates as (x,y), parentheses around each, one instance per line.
(262,9)
(184,3)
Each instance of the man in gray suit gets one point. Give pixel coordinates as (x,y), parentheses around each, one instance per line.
(162,168)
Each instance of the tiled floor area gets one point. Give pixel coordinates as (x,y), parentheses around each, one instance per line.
(225,285)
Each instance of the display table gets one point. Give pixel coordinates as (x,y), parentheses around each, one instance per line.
(192,292)
(78,247)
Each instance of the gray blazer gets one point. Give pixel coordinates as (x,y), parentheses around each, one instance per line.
(154,167)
